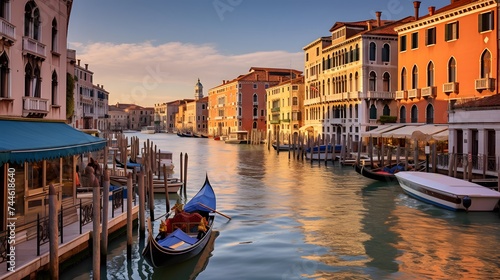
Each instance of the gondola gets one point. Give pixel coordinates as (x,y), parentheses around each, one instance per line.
(384,174)
(182,240)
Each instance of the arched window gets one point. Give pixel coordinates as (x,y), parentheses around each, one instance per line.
(386,52)
(373,81)
(430,74)
(414,114)
(351,55)
(350,111)
(4,7)
(386,81)
(403,79)
(486,64)
(255,112)
(254,125)
(356,53)
(31,20)
(54,35)
(28,77)
(373,50)
(386,111)
(429,114)
(4,76)
(452,70)
(373,112)
(414,77)
(255,99)
(356,81)
(402,114)
(54,88)
(350,83)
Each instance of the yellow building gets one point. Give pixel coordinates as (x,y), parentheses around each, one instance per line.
(285,108)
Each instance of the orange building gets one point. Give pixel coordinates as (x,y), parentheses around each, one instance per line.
(240,104)
(450,53)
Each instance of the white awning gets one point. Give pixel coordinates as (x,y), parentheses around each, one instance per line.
(381,129)
(441,136)
(421,132)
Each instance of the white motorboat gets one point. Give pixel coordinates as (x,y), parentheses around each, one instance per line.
(448,192)
(148,129)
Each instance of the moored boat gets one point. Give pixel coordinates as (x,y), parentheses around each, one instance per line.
(448,192)
(384,174)
(148,130)
(181,238)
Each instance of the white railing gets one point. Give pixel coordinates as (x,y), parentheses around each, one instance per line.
(414,93)
(312,101)
(485,83)
(428,92)
(401,94)
(33,46)
(450,87)
(377,95)
(35,104)
(7,28)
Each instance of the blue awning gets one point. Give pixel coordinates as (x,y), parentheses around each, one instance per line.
(28,141)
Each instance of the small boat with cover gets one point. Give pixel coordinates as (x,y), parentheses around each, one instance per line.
(184,235)
(384,174)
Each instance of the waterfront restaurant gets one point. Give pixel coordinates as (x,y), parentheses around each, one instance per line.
(37,153)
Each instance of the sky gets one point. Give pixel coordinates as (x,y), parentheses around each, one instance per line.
(153,51)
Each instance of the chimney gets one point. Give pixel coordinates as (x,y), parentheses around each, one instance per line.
(432,9)
(223,81)
(78,62)
(369,25)
(378,14)
(416,5)
(86,66)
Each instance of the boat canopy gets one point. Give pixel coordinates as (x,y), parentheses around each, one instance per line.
(205,196)
(29,141)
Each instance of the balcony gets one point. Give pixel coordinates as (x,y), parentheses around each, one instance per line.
(377,95)
(255,103)
(338,121)
(35,107)
(450,87)
(275,109)
(33,47)
(7,31)
(274,121)
(428,92)
(285,120)
(401,94)
(414,93)
(312,101)
(219,118)
(486,83)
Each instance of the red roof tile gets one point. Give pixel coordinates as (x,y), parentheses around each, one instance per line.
(489,101)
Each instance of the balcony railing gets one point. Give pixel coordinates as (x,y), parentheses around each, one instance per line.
(285,120)
(450,87)
(377,95)
(428,92)
(33,106)
(275,109)
(414,93)
(401,94)
(7,29)
(274,121)
(486,83)
(34,47)
(312,101)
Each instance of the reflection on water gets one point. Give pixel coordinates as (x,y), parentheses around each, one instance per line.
(296,220)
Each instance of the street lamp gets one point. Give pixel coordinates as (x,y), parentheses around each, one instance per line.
(427,152)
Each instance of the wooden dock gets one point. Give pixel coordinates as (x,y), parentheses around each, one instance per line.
(28,263)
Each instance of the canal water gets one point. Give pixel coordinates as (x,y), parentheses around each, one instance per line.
(296,220)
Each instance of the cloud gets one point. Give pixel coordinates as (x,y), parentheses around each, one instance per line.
(145,74)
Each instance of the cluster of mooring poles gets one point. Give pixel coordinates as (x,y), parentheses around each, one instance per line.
(134,169)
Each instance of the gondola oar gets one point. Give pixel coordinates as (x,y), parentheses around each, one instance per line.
(223,215)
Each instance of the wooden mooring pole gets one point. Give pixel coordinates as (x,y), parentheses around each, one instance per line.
(142,208)
(53,233)
(105,207)
(96,225)
(129,216)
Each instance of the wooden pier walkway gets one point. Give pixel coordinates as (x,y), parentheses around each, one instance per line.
(27,263)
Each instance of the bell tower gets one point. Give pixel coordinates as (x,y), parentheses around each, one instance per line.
(198,90)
